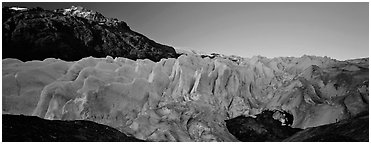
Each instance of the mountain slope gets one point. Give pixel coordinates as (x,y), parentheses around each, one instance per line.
(353,130)
(73,33)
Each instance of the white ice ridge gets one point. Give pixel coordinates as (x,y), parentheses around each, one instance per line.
(184,99)
(18,8)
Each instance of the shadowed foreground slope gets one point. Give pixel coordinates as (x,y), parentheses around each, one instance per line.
(266,127)
(350,130)
(20,128)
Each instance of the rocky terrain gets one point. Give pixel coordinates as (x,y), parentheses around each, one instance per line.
(34,129)
(73,33)
(193,97)
(269,126)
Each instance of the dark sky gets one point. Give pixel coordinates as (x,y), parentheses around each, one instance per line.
(338,30)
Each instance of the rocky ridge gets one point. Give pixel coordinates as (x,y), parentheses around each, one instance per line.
(72,34)
(188,98)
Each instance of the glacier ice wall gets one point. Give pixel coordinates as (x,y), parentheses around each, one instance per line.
(188,98)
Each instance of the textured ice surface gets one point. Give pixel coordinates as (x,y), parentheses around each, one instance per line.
(185,99)
(24,81)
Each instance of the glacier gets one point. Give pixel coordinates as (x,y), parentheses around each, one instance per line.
(188,98)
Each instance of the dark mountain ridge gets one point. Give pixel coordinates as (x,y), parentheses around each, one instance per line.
(72,34)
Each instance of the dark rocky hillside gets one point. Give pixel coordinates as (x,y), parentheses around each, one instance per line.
(267,126)
(20,128)
(72,34)
(350,130)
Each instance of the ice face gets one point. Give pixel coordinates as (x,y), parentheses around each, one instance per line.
(184,99)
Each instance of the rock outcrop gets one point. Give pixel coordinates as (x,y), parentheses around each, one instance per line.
(72,34)
(269,126)
(188,98)
(20,128)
